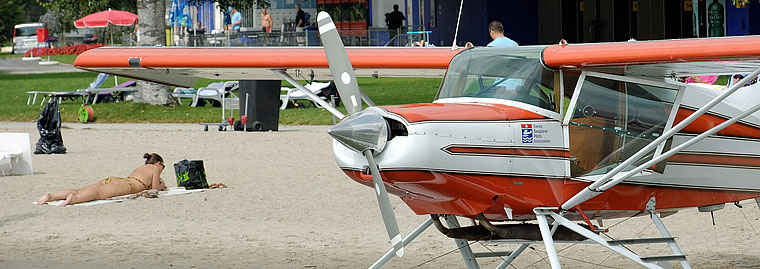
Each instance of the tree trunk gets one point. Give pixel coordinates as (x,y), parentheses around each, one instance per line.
(152,32)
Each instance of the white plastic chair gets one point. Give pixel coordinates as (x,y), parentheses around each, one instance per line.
(214,91)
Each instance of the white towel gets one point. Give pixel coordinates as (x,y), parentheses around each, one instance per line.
(119,199)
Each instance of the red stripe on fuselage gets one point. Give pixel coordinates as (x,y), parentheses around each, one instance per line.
(461,112)
(715,159)
(707,121)
(509,151)
(427,192)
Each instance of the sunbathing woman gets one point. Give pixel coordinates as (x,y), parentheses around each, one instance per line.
(142,178)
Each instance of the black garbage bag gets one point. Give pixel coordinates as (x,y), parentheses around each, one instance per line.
(49,126)
(190,174)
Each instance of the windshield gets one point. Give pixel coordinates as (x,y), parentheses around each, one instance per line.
(26,31)
(513,73)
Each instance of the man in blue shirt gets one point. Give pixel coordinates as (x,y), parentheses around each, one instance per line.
(237,20)
(496,30)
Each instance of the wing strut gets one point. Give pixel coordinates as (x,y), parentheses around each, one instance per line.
(605,183)
(308,93)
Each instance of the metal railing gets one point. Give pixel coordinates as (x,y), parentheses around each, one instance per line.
(374,36)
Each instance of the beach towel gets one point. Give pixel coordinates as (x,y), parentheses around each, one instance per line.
(119,199)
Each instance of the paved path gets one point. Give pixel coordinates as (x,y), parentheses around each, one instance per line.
(18,66)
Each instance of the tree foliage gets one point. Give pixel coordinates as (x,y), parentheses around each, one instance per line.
(11,13)
(65,12)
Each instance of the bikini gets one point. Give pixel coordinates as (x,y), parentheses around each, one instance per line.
(131,185)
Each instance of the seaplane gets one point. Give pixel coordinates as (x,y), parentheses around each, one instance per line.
(532,143)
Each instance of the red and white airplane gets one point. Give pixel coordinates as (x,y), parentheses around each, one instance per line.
(561,134)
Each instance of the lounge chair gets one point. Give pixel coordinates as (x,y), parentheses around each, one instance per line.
(181,92)
(115,93)
(214,91)
(324,90)
(91,91)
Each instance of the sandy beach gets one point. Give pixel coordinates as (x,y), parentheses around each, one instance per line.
(287,205)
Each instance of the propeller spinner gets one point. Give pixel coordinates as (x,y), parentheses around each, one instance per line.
(366,133)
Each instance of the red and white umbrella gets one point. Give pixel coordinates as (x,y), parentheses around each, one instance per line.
(104,18)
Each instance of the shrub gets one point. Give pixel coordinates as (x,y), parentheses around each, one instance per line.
(68,50)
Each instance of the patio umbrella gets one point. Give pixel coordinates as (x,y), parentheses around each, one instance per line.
(107,18)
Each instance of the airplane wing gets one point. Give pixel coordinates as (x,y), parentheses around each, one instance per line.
(661,58)
(183,66)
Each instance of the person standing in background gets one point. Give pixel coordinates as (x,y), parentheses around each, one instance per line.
(237,20)
(266,21)
(300,22)
(496,30)
(394,20)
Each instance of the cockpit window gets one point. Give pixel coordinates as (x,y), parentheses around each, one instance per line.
(505,73)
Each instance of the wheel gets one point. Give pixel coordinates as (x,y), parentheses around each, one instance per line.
(85,114)
(222,128)
(205,128)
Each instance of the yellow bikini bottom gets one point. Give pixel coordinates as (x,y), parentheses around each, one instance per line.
(131,185)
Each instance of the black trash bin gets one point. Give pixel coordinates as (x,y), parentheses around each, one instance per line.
(262,106)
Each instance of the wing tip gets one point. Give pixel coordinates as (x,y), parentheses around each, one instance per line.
(322,15)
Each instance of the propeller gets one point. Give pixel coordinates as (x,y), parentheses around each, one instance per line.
(340,67)
(366,133)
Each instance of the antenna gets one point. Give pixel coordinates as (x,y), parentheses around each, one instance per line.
(454,44)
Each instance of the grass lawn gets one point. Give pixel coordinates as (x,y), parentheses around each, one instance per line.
(9,55)
(66,59)
(13,97)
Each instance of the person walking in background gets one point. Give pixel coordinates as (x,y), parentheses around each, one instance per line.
(394,20)
(266,21)
(300,22)
(137,34)
(496,30)
(236,20)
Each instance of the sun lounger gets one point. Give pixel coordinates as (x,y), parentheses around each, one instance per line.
(292,94)
(214,91)
(93,90)
(180,93)
(116,92)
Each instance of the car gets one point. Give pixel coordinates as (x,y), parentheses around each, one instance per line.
(25,37)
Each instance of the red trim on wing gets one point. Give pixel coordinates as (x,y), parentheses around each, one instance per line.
(509,151)
(707,121)
(429,58)
(461,112)
(427,192)
(646,52)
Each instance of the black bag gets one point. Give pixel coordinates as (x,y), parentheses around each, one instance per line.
(49,126)
(191,174)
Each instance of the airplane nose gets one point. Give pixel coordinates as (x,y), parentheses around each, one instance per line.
(362,131)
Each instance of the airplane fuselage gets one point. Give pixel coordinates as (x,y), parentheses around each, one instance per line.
(469,154)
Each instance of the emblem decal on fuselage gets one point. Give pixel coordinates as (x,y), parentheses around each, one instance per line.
(534,134)
(527,133)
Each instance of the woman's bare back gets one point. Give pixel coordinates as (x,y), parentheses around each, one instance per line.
(148,174)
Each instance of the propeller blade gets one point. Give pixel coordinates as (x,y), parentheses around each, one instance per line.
(389,218)
(340,67)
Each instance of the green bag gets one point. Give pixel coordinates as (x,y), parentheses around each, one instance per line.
(191,174)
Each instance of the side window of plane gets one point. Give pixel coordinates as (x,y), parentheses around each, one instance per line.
(613,120)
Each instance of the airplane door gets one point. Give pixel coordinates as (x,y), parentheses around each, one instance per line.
(612,117)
